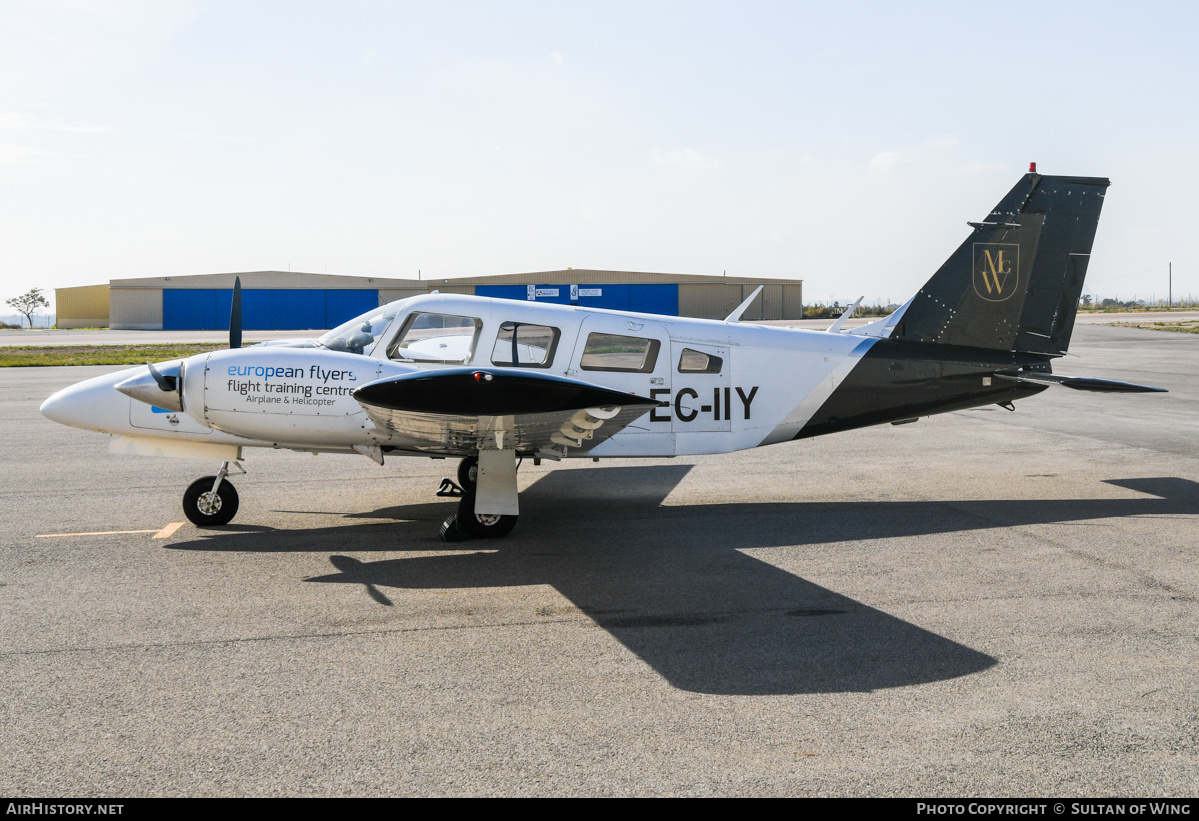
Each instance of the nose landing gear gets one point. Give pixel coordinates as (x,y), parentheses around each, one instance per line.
(210,500)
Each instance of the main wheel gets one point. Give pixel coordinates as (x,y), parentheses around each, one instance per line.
(207,509)
(468,473)
(482,526)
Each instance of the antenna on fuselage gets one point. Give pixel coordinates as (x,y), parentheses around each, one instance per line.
(836,326)
(735,316)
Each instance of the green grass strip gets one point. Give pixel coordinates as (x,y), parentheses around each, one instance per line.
(1190,326)
(39,356)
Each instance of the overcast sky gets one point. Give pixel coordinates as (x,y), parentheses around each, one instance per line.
(843,144)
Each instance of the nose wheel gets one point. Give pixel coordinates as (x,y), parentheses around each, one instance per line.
(211,500)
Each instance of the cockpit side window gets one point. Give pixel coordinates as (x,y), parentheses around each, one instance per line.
(522,345)
(614,352)
(437,338)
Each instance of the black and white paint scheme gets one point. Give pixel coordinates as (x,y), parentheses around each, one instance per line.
(495,381)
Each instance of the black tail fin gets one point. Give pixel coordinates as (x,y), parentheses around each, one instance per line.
(1014,284)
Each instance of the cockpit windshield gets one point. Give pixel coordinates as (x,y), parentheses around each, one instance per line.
(360,333)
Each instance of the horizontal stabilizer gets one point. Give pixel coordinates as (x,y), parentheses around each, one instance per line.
(1078,383)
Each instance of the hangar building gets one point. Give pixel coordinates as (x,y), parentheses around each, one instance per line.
(283,300)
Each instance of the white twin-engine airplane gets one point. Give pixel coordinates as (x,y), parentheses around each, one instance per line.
(494,381)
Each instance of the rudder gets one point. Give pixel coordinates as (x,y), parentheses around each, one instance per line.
(1014,284)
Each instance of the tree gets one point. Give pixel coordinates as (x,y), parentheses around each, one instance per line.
(28,303)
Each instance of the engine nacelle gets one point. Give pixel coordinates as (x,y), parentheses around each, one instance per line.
(284,395)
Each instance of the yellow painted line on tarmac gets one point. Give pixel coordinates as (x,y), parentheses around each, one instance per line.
(94,533)
(166,533)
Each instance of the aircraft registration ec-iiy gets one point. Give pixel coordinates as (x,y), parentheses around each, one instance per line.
(494,381)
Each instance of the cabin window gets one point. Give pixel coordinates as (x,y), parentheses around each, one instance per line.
(437,338)
(521,345)
(699,362)
(612,352)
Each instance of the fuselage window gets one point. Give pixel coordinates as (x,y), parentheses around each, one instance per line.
(699,362)
(437,338)
(521,345)
(612,352)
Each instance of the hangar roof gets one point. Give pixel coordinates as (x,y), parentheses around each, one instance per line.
(295,279)
(589,276)
(265,279)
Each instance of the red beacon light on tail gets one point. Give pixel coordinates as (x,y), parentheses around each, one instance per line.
(1032,168)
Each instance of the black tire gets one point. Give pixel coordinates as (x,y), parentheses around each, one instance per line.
(482,527)
(468,474)
(202,513)
(450,532)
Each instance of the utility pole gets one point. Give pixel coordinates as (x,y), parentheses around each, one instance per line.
(1171,284)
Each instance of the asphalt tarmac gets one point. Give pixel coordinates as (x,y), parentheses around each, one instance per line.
(983,603)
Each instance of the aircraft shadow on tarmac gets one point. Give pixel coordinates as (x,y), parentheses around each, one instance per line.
(671,584)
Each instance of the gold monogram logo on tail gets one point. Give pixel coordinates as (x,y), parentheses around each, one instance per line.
(996,270)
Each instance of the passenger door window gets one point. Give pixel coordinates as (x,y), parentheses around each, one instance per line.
(693,361)
(703,399)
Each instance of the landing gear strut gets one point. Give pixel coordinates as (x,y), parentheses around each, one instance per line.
(467,523)
(210,500)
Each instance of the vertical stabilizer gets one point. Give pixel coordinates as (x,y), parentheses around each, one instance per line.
(1014,284)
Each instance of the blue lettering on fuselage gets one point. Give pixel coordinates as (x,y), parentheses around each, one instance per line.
(314,372)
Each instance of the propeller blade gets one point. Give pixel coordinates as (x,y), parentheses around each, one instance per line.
(235,316)
(165,383)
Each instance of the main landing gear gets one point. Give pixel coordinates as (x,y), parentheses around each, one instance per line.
(467,523)
(210,500)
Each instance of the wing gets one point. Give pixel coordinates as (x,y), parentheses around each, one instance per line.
(1078,383)
(463,410)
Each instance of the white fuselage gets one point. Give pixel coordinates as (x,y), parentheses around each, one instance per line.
(727,385)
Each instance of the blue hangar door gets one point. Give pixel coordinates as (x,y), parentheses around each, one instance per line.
(263,309)
(646,299)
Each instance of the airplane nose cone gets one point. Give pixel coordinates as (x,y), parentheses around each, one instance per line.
(91,405)
(68,407)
